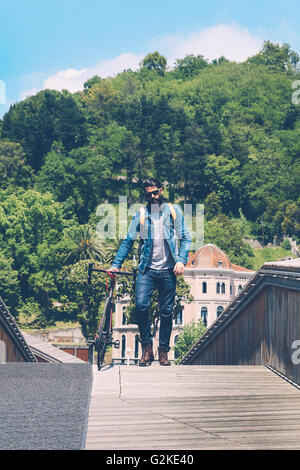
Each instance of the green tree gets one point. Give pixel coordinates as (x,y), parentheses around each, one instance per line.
(79,179)
(31,228)
(224,175)
(40,120)
(155,61)
(190,333)
(286,219)
(189,66)
(212,205)
(265,182)
(167,143)
(30,314)
(13,168)
(86,245)
(190,162)
(9,283)
(226,234)
(91,82)
(221,60)
(277,57)
(79,300)
(100,102)
(120,148)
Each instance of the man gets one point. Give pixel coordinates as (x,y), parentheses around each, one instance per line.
(160,226)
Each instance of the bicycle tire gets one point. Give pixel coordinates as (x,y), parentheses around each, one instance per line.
(101,351)
(103,334)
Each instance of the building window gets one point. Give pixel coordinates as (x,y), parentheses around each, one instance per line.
(220,310)
(223,288)
(123,346)
(240,288)
(136,346)
(204,288)
(178,317)
(230,289)
(204,315)
(124,318)
(2,352)
(218,288)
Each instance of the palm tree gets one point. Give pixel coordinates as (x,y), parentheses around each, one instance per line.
(111,247)
(86,245)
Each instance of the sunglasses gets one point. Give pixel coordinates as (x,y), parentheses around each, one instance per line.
(152,193)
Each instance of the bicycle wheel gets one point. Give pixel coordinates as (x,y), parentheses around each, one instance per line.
(103,334)
(101,350)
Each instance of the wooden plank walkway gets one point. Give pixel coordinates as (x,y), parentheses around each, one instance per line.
(192,407)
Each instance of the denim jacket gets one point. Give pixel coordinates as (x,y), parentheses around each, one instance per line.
(174,230)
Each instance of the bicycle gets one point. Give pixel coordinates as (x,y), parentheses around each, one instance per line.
(103,337)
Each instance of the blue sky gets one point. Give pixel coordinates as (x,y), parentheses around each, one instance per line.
(60,43)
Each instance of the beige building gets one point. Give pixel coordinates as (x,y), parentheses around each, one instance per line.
(214,282)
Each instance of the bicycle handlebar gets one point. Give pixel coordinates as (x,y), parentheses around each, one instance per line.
(91,268)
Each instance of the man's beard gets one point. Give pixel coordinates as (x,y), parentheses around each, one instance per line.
(158,201)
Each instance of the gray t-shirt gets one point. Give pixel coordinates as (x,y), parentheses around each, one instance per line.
(160,255)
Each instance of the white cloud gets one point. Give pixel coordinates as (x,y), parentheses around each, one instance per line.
(229,40)
(73,79)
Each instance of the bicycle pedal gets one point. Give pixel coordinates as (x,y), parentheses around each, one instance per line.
(116,344)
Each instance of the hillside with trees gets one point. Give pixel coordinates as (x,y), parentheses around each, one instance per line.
(220,133)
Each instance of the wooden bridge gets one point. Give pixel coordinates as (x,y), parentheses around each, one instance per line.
(237,388)
(192,407)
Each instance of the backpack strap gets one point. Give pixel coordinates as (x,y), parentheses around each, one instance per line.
(173,212)
(142,216)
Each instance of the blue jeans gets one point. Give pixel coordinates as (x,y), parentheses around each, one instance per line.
(165,281)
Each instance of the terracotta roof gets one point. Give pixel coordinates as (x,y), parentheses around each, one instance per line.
(235,267)
(210,256)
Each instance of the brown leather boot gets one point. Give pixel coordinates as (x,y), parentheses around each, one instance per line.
(147,356)
(163,357)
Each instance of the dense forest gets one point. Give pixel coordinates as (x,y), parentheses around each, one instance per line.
(220,133)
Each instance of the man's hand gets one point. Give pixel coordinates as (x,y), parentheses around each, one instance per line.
(113,269)
(178,268)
